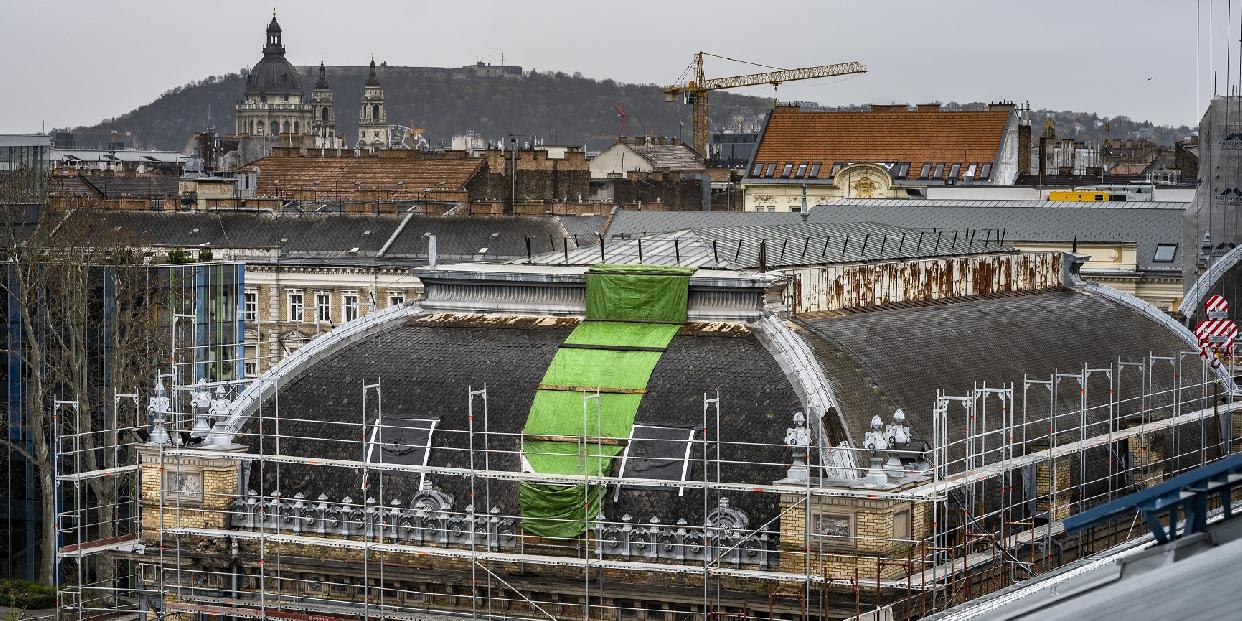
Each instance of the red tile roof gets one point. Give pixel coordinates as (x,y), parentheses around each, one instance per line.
(884,134)
(396,177)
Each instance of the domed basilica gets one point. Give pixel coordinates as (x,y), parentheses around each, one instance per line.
(274,104)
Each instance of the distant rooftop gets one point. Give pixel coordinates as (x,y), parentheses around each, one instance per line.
(783,245)
(890,133)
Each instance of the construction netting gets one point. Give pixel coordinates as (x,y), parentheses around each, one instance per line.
(632,313)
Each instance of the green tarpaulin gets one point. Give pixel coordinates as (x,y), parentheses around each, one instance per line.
(632,314)
(646,293)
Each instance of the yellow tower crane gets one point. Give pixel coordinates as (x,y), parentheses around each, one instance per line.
(695,91)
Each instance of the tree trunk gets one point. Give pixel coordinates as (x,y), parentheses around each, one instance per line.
(47,499)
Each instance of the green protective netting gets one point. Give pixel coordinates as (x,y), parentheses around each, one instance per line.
(604,368)
(559,413)
(646,293)
(560,511)
(622,333)
(627,306)
(591,459)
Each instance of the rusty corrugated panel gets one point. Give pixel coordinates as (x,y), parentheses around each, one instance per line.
(837,287)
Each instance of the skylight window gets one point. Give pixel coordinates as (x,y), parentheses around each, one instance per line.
(815,167)
(836,168)
(954,170)
(1165,253)
(986,171)
(786,170)
(923,172)
(970,171)
(903,170)
(657,453)
(757,170)
(767,172)
(401,441)
(939,172)
(801,170)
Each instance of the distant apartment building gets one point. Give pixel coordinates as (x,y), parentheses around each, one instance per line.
(889,151)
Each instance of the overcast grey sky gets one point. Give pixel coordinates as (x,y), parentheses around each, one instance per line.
(76,62)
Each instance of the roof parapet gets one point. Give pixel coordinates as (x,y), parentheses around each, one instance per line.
(715,295)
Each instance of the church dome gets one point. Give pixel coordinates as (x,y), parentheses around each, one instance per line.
(274,75)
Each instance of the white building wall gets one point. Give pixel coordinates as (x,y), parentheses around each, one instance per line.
(618,159)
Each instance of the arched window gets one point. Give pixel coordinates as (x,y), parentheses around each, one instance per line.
(375,112)
(275,128)
(323,115)
(296,128)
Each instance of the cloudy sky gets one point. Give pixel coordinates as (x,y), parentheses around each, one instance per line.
(76,62)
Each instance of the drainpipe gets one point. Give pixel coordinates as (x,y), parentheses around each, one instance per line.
(235,566)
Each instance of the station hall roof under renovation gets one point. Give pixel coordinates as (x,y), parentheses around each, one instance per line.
(504,327)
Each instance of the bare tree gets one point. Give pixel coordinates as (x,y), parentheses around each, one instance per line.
(89,320)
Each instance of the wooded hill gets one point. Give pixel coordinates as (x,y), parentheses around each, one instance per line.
(557,107)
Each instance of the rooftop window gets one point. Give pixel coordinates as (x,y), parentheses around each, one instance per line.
(925,170)
(757,170)
(939,172)
(815,166)
(657,453)
(801,171)
(767,172)
(1165,253)
(786,170)
(954,170)
(903,170)
(986,171)
(403,441)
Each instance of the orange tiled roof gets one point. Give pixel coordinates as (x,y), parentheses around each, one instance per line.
(884,134)
(395,177)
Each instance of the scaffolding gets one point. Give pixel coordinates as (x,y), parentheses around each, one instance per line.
(980,509)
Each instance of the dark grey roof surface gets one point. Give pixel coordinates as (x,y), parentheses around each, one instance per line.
(307,236)
(585,227)
(425,368)
(1051,222)
(630,223)
(897,358)
(466,237)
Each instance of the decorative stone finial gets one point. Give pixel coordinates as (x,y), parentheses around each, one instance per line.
(157,411)
(797,438)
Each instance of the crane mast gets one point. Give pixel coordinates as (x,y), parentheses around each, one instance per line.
(695,92)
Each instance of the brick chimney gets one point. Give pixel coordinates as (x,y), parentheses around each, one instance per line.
(1024,142)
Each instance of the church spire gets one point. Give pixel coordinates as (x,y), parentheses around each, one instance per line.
(273,46)
(322,83)
(372,80)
